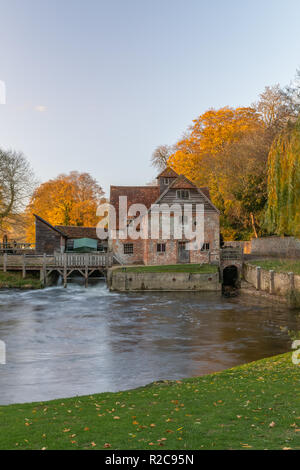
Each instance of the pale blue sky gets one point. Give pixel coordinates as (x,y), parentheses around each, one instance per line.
(96,85)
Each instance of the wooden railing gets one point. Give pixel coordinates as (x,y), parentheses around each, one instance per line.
(31,261)
(82,260)
(14,247)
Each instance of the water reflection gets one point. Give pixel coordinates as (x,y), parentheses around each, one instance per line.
(72,342)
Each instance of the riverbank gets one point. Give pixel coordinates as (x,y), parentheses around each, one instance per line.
(274,278)
(254,406)
(247,290)
(279,265)
(15,281)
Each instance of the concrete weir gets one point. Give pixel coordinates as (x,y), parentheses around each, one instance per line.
(122,281)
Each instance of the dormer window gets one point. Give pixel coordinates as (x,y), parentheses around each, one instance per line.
(183,194)
(166,181)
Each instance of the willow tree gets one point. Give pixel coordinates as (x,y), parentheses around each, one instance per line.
(283,208)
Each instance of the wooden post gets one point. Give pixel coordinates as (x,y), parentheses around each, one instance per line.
(272,282)
(5,262)
(86,274)
(44,269)
(65,271)
(258,278)
(292,282)
(23,267)
(42,276)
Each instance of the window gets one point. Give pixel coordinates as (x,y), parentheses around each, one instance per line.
(205,247)
(166,181)
(183,219)
(70,244)
(128,249)
(161,248)
(183,194)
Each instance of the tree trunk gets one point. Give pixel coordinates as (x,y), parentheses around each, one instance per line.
(253,224)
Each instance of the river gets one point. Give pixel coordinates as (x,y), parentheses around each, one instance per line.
(76,341)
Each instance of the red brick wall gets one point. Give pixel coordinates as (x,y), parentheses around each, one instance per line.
(138,251)
(145,251)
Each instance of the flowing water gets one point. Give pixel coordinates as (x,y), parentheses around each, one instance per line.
(76,341)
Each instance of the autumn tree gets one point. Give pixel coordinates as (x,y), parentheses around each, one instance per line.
(244,184)
(66,200)
(216,153)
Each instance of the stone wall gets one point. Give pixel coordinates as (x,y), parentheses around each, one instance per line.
(145,281)
(288,247)
(281,284)
(278,247)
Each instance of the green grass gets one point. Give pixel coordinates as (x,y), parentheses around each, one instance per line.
(15,280)
(255,406)
(176,268)
(280,266)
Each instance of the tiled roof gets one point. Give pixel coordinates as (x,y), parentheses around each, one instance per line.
(206,192)
(183,183)
(168,173)
(146,195)
(48,224)
(77,232)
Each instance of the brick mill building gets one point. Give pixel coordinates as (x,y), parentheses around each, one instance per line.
(171,189)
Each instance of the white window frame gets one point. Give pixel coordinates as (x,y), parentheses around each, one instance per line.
(159,247)
(179,194)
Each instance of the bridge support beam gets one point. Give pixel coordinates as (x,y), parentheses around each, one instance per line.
(258,278)
(23,267)
(65,271)
(272,282)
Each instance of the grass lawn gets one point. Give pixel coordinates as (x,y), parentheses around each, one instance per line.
(176,268)
(15,280)
(256,406)
(280,266)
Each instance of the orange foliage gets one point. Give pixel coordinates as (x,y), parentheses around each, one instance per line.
(66,200)
(208,137)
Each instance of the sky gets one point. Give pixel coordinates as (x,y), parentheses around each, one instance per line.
(95,86)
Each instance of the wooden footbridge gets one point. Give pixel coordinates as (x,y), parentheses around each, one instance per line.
(63,265)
